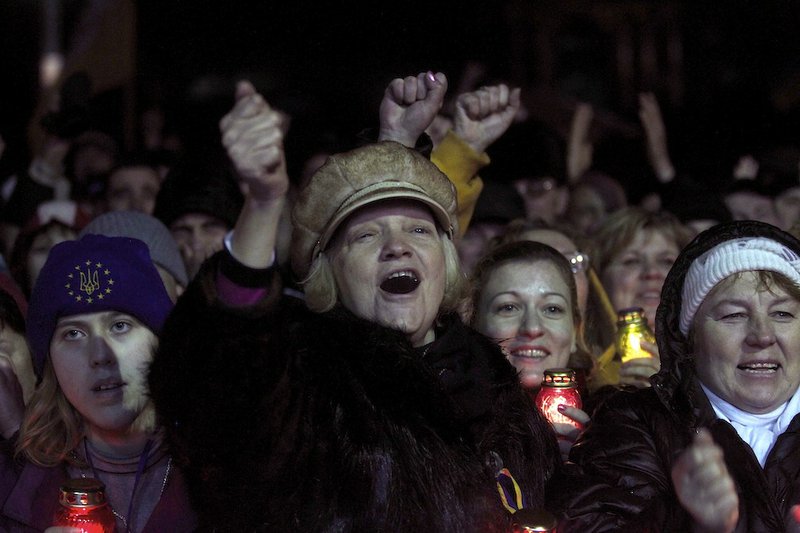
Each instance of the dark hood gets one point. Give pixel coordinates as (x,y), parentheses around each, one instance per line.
(675,383)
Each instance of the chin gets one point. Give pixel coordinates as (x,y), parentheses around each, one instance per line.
(530,381)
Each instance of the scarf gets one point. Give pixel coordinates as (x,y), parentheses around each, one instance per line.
(759,431)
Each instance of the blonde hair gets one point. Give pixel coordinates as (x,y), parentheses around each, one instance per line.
(322,294)
(52,427)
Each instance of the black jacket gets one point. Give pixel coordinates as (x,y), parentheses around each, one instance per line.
(621,479)
(286,420)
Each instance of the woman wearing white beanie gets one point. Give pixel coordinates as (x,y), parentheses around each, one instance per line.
(714,444)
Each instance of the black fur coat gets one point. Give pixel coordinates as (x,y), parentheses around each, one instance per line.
(286,420)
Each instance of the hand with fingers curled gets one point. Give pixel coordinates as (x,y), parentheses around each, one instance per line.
(410,105)
(253,137)
(567,433)
(704,487)
(483,116)
(637,372)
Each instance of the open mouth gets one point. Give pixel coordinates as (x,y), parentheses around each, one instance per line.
(759,368)
(530,353)
(104,387)
(400,282)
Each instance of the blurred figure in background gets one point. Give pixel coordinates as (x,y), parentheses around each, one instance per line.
(633,252)
(199,201)
(160,243)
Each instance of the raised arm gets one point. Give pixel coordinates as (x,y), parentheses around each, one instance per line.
(252,135)
(656,133)
(410,105)
(482,116)
(580,149)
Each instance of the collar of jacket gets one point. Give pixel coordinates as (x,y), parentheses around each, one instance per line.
(445,383)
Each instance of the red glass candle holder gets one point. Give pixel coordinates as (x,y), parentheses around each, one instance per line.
(559,387)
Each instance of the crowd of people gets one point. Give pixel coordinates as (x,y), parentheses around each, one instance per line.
(227,347)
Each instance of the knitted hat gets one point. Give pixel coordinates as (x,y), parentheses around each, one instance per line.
(137,225)
(351,180)
(91,275)
(730,257)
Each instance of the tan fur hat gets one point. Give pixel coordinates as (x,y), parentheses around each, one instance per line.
(351,180)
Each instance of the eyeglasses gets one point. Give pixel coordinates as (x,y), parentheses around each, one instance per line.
(578,262)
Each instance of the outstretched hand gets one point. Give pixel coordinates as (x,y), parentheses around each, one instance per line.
(704,486)
(409,106)
(252,135)
(482,116)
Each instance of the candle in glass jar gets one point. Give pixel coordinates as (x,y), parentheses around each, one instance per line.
(559,387)
(631,329)
(84,506)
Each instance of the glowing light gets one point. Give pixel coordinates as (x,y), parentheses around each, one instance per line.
(51,65)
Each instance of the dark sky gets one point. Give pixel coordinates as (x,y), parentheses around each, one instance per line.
(328,62)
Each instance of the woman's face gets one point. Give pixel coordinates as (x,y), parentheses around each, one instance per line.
(100,360)
(747,343)
(568,249)
(634,277)
(526,308)
(388,263)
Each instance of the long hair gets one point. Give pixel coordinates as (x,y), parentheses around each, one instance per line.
(322,293)
(52,427)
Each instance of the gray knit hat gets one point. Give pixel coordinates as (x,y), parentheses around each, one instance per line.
(730,257)
(137,225)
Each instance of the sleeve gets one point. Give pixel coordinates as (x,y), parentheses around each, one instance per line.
(618,478)
(221,384)
(460,163)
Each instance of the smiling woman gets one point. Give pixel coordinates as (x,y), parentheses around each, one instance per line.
(373,409)
(713,445)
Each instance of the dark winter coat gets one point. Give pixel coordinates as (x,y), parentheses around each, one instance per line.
(622,481)
(29,498)
(286,420)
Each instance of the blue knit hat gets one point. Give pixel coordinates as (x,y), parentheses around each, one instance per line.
(92,275)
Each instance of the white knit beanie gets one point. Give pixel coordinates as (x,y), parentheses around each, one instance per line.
(730,257)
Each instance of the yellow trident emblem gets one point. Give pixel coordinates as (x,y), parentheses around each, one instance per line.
(89,281)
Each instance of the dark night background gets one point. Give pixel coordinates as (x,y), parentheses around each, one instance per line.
(737,84)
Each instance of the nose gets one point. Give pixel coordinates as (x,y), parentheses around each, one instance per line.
(531,325)
(762,332)
(652,270)
(100,353)
(394,247)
